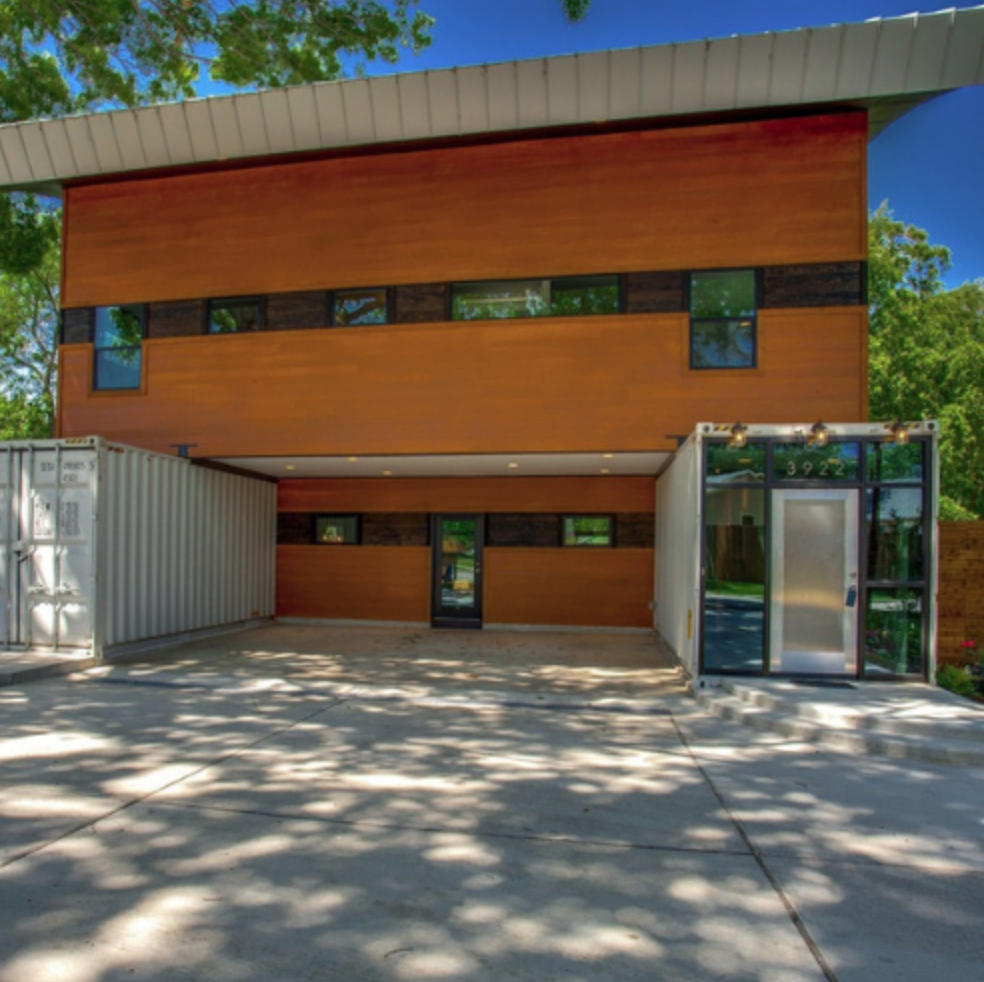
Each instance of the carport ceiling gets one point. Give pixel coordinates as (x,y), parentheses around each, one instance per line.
(456,465)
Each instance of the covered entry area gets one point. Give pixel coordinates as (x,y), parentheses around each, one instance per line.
(800,550)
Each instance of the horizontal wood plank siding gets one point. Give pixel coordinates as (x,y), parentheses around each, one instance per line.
(354,582)
(553,384)
(751,194)
(468,494)
(584,587)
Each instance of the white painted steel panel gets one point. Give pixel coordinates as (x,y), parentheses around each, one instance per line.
(60,147)
(928,56)
(822,64)
(358,112)
(414,105)
(104,141)
(892,55)
(754,71)
(331,115)
(16,156)
(656,83)
(626,83)
(152,138)
(965,51)
(385,99)
(225,126)
(36,148)
(303,111)
(277,122)
(201,131)
(562,89)
(176,125)
(531,82)
(723,58)
(473,99)
(442,93)
(678,519)
(252,126)
(689,78)
(788,68)
(503,97)
(128,142)
(857,58)
(83,149)
(593,86)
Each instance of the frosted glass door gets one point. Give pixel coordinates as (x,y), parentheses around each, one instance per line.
(814,600)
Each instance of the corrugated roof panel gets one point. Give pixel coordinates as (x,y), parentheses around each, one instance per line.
(253,135)
(531,81)
(857,58)
(177,135)
(83,149)
(503,88)
(303,111)
(36,148)
(442,94)
(965,55)
(473,99)
(128,139)
(225,126)
(278,122)
(358,111)
(562,90)
(754,70)
(60,148)
(689,76)
(822,64)
(414,101)
(656,80)
(385,101)
(626,83)
(201,131)
(152,139)
(892,55)
(788,67)
(331,114)
(928,53)
(104,140)
(594,78)
(16,155)
(721,68)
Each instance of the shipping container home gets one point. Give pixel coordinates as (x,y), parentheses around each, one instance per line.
(105,548)
(464,319)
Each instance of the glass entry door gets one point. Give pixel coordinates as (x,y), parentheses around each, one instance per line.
(457,578)
(814,603)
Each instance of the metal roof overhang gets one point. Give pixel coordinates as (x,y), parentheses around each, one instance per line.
(886,66)
(621,464)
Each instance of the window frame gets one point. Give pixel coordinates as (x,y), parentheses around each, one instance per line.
(387,292)
(97,348)
(573,516)
(754,318)
(335,516)
(550,281)
(257,299)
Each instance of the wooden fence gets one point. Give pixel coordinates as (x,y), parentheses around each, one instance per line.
(961,596)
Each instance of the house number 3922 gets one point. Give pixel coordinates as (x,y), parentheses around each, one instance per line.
(806,468)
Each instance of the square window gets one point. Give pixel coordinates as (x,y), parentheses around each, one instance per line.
(118,347)
(722,319)
(234,316)
(336,530)
(588,530)
(354,308)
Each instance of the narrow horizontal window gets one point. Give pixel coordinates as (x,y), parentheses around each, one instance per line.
(336,530)
(723,319)
(568,297)
(588,530)
(352,308)
(234,315)
(118,347)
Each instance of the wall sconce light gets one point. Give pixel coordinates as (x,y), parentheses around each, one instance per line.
(819,434)
(739,436)
(899,432)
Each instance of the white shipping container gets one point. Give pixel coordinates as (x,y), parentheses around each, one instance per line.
(103,546)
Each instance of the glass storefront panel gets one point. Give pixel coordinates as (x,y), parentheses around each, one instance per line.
(804,462)
(890,463)
(734,586)
(735,464)
(895,533)
(893,636)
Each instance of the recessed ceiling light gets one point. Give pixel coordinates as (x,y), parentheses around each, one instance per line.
(289,467)
(608,456)
(353,458)
(513,465)
(387,473)
(604,470)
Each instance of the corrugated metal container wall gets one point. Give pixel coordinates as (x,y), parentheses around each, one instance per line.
(678,520)
(182,548)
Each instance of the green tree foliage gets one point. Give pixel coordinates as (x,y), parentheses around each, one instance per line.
(926,353)
(28,345)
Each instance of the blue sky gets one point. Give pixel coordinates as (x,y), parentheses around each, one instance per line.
(928,164)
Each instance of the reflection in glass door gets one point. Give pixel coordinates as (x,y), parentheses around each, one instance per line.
(457,580)
(814,603)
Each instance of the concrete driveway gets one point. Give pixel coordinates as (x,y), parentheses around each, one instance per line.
(217,815)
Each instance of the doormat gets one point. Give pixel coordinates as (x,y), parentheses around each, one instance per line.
(823,684)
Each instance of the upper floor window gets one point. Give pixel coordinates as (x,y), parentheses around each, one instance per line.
(117,348)
(234,315)
(336,530)
(353,308)
(722,319)
(567,297)
(588,530)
